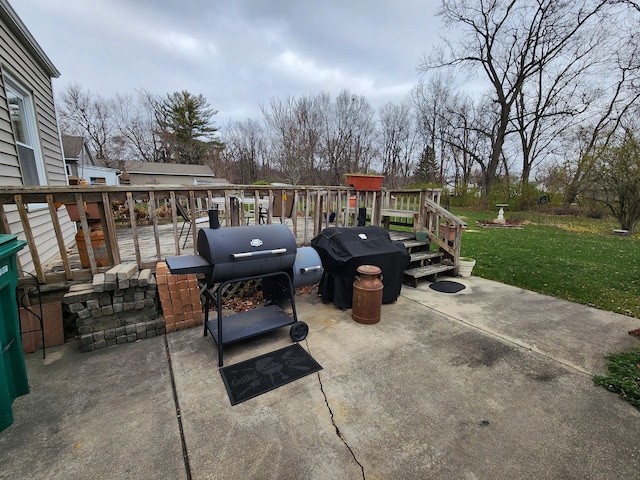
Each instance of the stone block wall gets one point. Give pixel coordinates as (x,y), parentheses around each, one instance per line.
(118,306)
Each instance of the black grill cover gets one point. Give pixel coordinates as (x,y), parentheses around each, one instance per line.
(343,250)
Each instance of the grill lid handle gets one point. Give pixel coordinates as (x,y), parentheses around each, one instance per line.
(259,253)
(311,269)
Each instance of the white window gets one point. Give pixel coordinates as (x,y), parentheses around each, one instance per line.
(23,120)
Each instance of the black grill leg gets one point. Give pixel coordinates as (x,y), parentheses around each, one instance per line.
(206,311)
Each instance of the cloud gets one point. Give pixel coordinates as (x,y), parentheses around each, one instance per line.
(157,33)
(333,78)
(308,71)
(124,23)
(176,42)
(239,55)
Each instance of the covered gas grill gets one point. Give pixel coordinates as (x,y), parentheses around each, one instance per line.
(343,250)
(239,254)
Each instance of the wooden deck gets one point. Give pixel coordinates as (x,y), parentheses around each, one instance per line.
(156,234)
(147,244)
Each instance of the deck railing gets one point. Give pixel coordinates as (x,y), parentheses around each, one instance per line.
(139,224)
(445,229)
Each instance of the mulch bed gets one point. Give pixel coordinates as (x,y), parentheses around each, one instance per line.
(507,224)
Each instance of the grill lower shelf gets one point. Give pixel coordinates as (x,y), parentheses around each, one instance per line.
(244,325)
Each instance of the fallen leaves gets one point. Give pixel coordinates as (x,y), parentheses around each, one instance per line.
(246,302)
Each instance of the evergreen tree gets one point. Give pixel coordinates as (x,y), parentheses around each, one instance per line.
(186,128)
(427,170)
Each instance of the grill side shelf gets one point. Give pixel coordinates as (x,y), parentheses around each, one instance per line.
(188,264)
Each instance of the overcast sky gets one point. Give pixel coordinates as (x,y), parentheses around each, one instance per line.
(239,54)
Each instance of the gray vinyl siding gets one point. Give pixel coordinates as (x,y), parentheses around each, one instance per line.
(42,230)
(9,170)
(17,60)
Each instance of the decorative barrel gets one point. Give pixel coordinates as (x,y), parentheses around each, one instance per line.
(367,295)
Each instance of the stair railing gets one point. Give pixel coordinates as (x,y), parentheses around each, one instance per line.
(444,229)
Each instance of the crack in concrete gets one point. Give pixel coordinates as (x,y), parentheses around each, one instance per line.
(185,454)
(333,421)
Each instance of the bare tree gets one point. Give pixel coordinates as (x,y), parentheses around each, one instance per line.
(348,134)
(630,3)
(294,130)
(89,115)
(117,129)
(309,117)
(398,142)
(470,135)
(136,123)
(452,129)
(509,41)
(246,149)
(432,102)
(617,98)
(553,100)
(355,112)
(617,176)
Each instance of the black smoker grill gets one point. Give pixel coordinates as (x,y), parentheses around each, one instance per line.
(343,250)
(238,254)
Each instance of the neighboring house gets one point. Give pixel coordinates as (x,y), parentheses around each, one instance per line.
(149,173)
(81,166)
(94,175)
(30,147)
(77,155)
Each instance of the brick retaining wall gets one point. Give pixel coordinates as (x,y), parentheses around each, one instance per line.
(179,299)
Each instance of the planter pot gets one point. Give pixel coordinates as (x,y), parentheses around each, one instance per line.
(370,183)
(421,235)
(465,266)
(92,210)
(448,233)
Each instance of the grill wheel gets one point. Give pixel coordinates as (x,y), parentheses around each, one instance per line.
(298,331)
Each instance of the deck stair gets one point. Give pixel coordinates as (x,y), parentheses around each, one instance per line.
(424,258)
(443,231)
(423,262)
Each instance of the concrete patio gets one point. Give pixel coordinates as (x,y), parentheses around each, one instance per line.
(493,382)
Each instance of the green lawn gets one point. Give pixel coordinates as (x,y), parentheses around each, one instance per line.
(576,259)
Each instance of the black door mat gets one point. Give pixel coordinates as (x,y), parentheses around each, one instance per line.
(253,377)
(447,286)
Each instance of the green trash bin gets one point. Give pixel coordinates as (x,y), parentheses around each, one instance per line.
(13,373)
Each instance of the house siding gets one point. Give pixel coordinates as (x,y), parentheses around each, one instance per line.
(17,60)
(148,179)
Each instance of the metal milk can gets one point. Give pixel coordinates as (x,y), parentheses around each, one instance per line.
(367,295)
